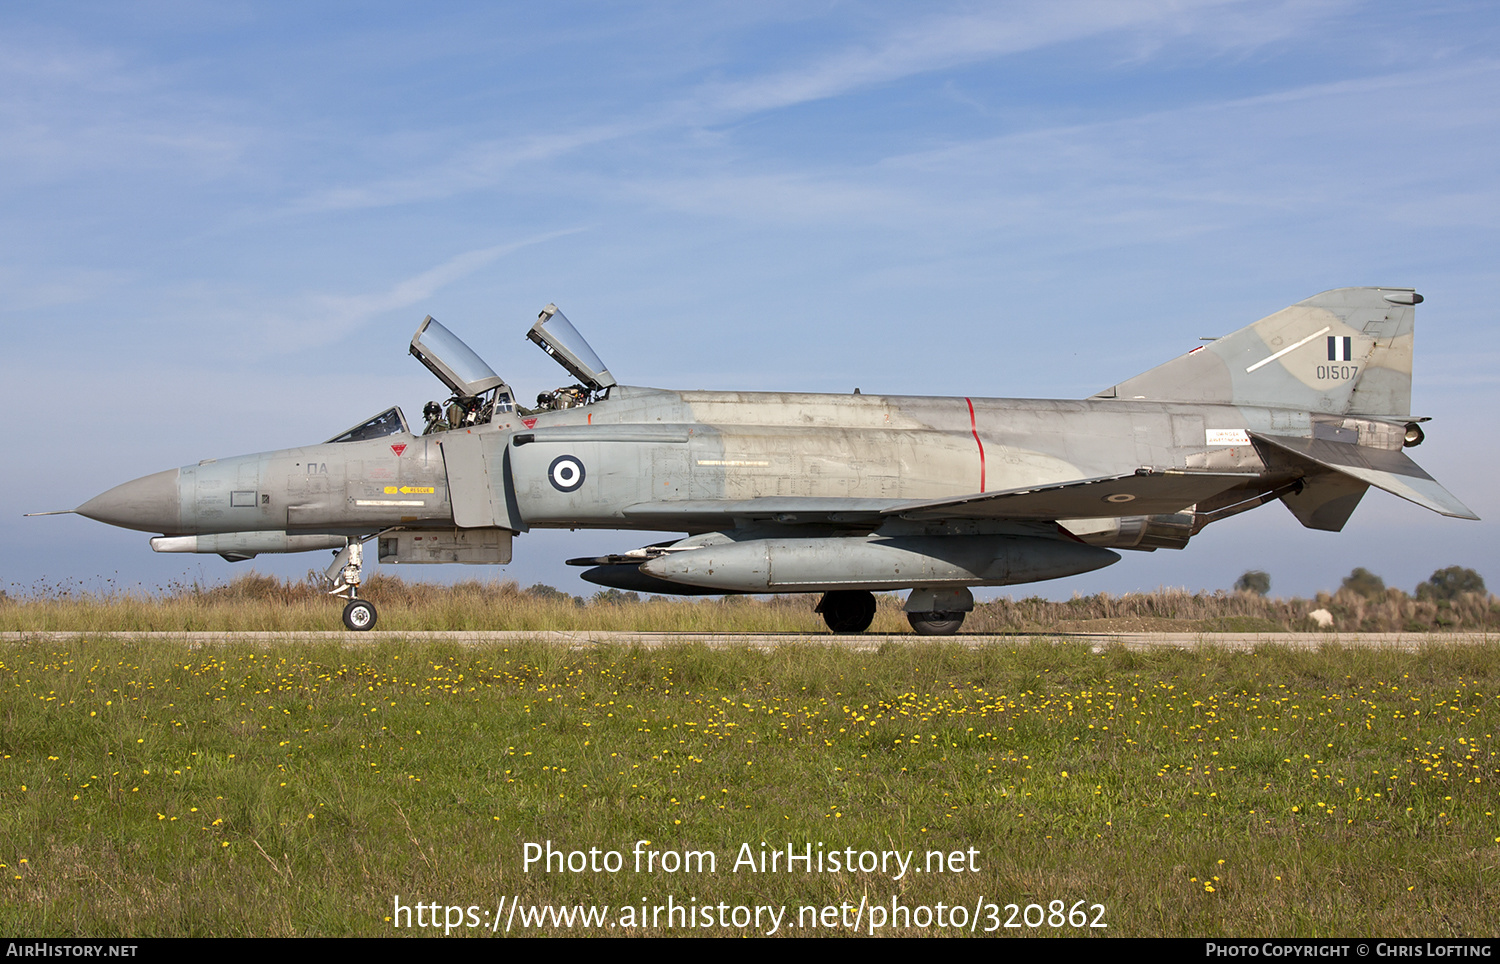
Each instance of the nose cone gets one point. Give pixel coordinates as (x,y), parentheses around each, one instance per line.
(149,503)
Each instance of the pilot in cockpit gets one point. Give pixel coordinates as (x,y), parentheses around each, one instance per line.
(433,413)
(569,396)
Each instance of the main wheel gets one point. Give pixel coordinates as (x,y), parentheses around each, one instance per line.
(935,624)
(360,615)
(848,610)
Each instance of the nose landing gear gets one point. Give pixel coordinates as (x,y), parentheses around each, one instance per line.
(359,614)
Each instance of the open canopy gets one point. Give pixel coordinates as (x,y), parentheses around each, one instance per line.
(447,357)
(558,338)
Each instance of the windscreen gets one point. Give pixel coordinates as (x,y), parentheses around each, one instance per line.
(388,422)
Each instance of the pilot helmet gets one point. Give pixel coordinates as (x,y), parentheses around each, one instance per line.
(431,411)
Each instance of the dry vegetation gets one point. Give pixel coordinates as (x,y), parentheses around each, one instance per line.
(258,602)
(1178,610)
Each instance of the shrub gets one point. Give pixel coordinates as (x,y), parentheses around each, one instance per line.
(1255,581)
(1365,583)
(1448,584)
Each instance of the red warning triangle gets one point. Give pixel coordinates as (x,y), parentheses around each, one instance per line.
(398,449)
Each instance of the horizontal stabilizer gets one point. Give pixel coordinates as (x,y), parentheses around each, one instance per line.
(1382,468)
(1110,497)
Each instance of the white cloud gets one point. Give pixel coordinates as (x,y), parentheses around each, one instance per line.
(904,48)
(468,168)
(944,42)
(69,110)
(328,317)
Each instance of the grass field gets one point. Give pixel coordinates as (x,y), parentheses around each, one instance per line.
(156,789)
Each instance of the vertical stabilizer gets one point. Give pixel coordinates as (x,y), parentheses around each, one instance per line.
(1344,352)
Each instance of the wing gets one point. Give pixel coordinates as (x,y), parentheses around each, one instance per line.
(1107,497)
(1104,497)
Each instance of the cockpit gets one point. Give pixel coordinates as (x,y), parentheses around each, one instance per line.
(556,336)
(388,422)
(479,394)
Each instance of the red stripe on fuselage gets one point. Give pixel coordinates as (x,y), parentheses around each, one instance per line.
(974,427)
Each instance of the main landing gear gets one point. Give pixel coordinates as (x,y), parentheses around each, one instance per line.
(847,611)
(935,624)
(852,610)
(938,611)
(359,614)
(931,612)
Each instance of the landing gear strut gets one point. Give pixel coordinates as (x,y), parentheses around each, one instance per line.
(359,614)
(847,611)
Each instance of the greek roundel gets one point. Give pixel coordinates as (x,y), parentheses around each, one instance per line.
(565,473)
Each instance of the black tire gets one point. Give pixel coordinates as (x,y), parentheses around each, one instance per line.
(848,611)
(935,624)
(360,615)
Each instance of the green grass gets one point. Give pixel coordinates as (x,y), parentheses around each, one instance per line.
(155,789)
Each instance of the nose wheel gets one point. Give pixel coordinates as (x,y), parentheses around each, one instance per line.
(360,615)
(344,573)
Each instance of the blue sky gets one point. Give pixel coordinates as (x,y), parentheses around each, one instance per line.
(223,223)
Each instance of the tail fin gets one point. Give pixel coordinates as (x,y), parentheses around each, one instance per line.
(1344,352)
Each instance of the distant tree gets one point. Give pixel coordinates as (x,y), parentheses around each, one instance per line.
(612,597)
(1254,580)
(544,591)
(1365,583)
(1446,584)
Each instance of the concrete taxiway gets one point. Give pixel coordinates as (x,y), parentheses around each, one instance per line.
(866,642)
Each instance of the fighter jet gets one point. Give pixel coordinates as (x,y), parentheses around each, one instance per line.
(843,495)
